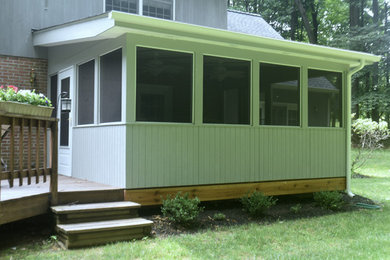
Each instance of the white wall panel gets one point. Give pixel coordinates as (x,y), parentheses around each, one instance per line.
(99,154)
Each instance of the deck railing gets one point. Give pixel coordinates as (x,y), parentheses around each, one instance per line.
(30,147)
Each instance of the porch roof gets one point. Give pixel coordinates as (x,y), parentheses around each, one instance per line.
(114,24)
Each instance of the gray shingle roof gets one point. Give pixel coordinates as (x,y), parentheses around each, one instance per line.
(250,24)
(314,83)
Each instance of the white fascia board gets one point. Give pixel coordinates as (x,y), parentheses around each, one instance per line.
(74,32)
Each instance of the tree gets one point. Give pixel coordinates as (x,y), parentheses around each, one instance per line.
(360,25)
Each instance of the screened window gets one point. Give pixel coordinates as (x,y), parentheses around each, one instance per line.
(226,91)
(325,98)
(279,95)
(85,95)
(164,86)
(158,8)
(128,6)
(111,87)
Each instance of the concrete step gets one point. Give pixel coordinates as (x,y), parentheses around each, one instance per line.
(102,232)
(81,213)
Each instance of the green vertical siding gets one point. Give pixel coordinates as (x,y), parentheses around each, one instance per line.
(163,155)
(176,155)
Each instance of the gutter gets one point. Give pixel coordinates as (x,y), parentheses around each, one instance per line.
(348,125)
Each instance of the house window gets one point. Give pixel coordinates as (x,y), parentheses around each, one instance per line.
(226,91)
(279,95)
(325,98)
(128,6)
(164,86)
(111,87)
(158,8)
(155,8)
(85,95)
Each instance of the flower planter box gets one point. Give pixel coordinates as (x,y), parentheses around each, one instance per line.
(25,109)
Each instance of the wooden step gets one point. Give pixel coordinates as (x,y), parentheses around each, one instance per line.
(79,213)
(102,232)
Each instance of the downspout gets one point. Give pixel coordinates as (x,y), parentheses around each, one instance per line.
(348,124)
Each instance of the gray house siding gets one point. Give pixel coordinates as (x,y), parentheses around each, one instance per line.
(211,13)
(19,17)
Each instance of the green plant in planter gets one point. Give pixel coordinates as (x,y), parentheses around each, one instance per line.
(257,203)
(181,209)
(12,93)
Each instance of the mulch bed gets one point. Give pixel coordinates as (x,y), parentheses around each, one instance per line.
(38,230)
(236,216)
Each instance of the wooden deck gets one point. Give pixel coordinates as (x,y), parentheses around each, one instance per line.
(26,201)
(65,184)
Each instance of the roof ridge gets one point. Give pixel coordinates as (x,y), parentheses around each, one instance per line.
(246,13)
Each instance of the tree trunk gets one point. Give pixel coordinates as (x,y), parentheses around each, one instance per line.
(255,6)
(375,68)
(294,23)
(362,4)
(247,5)
(353,13)
(306,22)
(314,16)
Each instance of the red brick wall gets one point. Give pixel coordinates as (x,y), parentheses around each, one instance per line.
(16,71)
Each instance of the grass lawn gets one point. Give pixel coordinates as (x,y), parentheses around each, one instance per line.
(363,234)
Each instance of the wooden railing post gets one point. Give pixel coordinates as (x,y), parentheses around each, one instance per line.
(21,137)
(54,166)
(1,166)
(37,139)
(11,156)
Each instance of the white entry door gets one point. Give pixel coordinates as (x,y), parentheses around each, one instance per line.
(65,84)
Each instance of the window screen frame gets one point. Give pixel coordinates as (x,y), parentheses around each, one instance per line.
(301,92)
(123,86)
(343,97)
(193,107)
(251,81)
(95,94)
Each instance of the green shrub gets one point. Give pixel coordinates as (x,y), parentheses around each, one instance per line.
(371,135)
(181,209)
(295,209)
(257,203)
(219,216)
(332,200)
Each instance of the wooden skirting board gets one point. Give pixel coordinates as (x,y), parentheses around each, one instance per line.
(17,209)
(232,191)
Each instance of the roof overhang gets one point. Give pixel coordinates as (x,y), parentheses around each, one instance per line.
(114,24)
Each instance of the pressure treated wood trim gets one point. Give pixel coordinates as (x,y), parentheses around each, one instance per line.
(92,196)
(232,191)
(17,209)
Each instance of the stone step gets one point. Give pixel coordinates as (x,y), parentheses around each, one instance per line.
(80,213)
(102,232)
